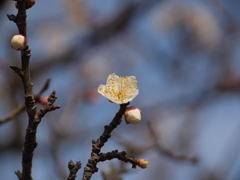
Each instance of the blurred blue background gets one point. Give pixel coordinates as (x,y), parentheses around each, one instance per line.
(185,55)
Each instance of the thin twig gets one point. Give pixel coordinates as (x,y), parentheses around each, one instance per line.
(21,108)
(168,153)
(117,155)
(91,166)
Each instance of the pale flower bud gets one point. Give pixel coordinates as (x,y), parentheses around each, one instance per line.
(18,42)
(132,115)
(142,163)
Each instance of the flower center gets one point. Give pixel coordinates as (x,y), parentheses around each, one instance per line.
(120,88)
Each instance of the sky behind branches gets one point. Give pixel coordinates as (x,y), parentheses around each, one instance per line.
(185,57)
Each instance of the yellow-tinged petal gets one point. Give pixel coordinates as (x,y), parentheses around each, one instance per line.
(119,89)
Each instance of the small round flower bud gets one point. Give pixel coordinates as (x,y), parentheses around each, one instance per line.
(132,115)
(18,42)
(43,100)
(142,163)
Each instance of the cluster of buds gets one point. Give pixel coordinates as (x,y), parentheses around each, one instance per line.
(132,115)
(18,42)
(29,4)
(142,163)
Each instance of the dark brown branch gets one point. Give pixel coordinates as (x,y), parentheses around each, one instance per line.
(20,19)
(117,155)
(73,168)
(30,139)
(30,104)
(91,166)
(21,108)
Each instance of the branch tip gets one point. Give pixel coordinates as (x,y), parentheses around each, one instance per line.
(11,17)
(48,80)
(19,174)
(17,70)
(73,168)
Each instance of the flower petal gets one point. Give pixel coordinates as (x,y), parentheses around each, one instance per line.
(119,89)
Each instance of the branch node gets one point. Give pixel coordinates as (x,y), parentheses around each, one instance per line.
(73,168)
(11,17)
(26,52)
(49,105)
(17,70)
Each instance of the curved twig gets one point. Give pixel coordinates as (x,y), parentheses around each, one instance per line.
(91,166)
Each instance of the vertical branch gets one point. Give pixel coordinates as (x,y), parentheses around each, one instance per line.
(30,138)
(21,17)
(21,22)
(34,117)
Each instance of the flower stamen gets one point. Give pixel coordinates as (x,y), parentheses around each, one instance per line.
(119,89)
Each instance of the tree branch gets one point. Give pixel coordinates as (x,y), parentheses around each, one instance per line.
(33,116)
(119,155)
(73,168)
(91,166)
(30,139)
(21,108)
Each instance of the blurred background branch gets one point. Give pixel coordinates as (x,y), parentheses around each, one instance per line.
(185,56)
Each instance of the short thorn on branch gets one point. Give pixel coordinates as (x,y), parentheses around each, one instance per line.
(17,70)
(19,174)
(11,17)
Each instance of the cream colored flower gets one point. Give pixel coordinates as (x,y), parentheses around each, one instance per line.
(119,89)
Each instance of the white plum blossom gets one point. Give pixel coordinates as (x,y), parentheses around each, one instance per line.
(132,115)
(119,89)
